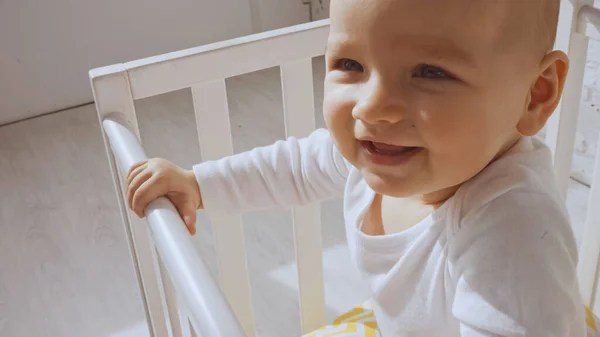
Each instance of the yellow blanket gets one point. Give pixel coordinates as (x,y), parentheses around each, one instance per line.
(360,322)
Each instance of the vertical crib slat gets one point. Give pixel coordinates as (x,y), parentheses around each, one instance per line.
(562,126)
(184,318)
(112,94)
(568,115)
(170,299)
(298,104)
(590,247)
(214,132)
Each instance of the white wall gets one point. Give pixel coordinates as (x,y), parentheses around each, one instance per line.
(273,14)
(47,47)
(320,9)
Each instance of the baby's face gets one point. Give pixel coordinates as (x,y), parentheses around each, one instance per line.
(418,96)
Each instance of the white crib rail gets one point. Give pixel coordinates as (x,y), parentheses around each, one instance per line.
(210,312)
(183,69)
(589,21)
(204,69)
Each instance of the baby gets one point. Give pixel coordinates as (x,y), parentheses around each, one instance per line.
(451,210)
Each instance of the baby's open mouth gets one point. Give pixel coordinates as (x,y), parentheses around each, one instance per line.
(388,149)
(386,154)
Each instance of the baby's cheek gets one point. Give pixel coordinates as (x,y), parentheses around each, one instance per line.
(456,145)
(442,135)
(468,152)
(339,121)
(337,110)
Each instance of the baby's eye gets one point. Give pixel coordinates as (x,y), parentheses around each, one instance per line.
(431,72)
(349,65)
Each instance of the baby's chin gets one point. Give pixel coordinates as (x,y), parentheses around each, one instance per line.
(395,187)
(419,187)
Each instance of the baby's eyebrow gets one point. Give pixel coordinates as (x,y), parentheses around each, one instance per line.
(334,44)
(438,48)
(420,46)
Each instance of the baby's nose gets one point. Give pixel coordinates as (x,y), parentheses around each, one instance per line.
(378,103)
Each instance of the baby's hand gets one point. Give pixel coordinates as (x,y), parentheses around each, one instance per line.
(157,177)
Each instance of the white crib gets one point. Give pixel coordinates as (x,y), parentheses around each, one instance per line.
(176,287)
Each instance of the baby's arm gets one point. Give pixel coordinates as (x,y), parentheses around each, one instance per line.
(287,173)
(514,263)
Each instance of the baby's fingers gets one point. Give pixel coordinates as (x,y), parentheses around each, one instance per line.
(135,183)
(135,171)
(187,211)
(136,165)
(148,191)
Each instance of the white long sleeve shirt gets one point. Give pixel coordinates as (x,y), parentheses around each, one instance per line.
(497,259)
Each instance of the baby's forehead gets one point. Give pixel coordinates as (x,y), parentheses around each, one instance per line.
(475,23)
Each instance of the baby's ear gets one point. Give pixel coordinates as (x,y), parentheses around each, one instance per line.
(545,93)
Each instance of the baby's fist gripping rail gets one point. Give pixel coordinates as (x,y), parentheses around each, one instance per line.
(210,314)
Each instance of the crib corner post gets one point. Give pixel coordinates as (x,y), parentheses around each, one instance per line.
(112,94)
(562,126)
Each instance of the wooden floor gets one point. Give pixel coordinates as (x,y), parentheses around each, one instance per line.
(65,269)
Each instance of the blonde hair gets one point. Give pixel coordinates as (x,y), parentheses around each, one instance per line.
(548,23)
(528,25)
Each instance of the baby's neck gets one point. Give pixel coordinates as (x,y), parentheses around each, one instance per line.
(389,215)
(438,198)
